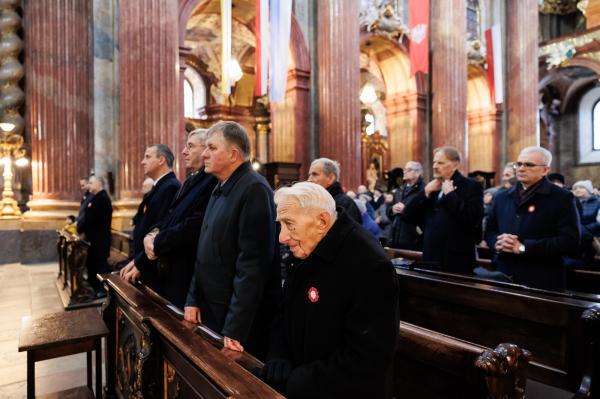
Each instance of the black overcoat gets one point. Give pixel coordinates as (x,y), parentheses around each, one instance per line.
(341,317)
(153,208)
(343,201)
(403,234)
(547,224)
(177,240)
(237,277)
(96,226)
(451,224)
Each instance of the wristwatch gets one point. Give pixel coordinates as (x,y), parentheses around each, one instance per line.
(522,248)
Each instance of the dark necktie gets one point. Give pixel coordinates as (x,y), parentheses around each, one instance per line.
(184,186)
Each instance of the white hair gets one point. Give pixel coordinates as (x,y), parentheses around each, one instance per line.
(546,155)
(308,196)
(329,167)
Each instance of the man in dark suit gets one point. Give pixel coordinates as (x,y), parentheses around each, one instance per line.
(339,326)
(174,240)
(237,279)
(326,173)
(95,225)
(533,225)
(158,165)
(449,210)
(403,234)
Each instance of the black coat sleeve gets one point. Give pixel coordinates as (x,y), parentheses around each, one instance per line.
(256,235)
(466,208)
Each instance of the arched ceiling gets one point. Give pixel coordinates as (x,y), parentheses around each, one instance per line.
(385,60)
(478,90)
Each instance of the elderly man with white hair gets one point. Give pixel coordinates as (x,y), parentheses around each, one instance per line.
(340,316)
(533,225)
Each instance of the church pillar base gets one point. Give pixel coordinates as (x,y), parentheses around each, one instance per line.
(123,212)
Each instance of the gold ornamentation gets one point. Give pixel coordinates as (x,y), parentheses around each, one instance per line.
(558,6)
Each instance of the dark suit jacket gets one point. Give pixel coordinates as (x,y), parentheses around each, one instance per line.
(404,235)
(547,224)
(154,207)
(345,202)
(176,243)
(96,226)
(237,278)
(341,340)
(451,224)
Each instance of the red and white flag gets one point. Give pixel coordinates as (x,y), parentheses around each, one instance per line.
(419,36)
(493,44)
(261,31)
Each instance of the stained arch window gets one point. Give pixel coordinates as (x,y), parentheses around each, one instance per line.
(596,126)
(194,94)
(473,32)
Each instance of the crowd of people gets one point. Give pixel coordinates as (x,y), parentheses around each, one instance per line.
(212,247)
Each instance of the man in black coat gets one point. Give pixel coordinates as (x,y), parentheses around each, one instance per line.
(533,225)
(158,165)
(326,173)
(449,210)
(339,324)
(237,280)
(403,234)
(95,225)
(84,183)
(174,240)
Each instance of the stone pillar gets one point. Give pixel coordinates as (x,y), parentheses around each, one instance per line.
(106,99)
(58,88)
(521,75)
(339,84)
(449,74)
(148,93)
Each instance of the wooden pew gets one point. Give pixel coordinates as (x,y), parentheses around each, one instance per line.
(120,249)
(416,256)
(74,290)
(560,329)
(152,353)
(433,365)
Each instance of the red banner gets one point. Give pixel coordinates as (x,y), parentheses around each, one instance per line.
(489,57)
(419,36)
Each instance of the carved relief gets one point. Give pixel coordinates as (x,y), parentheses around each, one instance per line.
(383,18)
(505,370)
(134,348)
(172,381)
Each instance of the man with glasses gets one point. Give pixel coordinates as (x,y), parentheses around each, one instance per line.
(403,234)
(533,225)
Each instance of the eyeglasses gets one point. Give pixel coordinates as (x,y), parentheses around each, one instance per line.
(411,170)
(526,164)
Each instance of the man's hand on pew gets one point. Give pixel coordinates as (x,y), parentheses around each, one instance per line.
(130,273)
(230,343)
(149,245)
(192,314)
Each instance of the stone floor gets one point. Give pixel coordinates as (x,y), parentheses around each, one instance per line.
(30,290)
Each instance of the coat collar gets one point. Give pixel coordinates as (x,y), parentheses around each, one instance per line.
(329,247)
(226,188)
(545,188)
(335,189)
(162,181)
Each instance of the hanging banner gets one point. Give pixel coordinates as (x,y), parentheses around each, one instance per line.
(494,64)
(280,24)
(419,36)
(225,45)
(261,69)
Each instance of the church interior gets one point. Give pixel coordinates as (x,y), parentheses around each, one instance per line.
(89,85)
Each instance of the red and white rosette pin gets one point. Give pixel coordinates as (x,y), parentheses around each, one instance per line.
(531,208)
(313,294)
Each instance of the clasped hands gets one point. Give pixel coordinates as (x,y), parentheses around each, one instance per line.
(508,243)
(192,315)
(445,186)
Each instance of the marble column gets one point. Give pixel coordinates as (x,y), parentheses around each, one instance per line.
(148,93)
(58,88)
(521,75)
(106,99)
(449,74)
(339,84)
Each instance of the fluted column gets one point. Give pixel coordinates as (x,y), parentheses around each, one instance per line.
(339,84)
(522,75)
(449,74)
(149,91)
(59,121)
